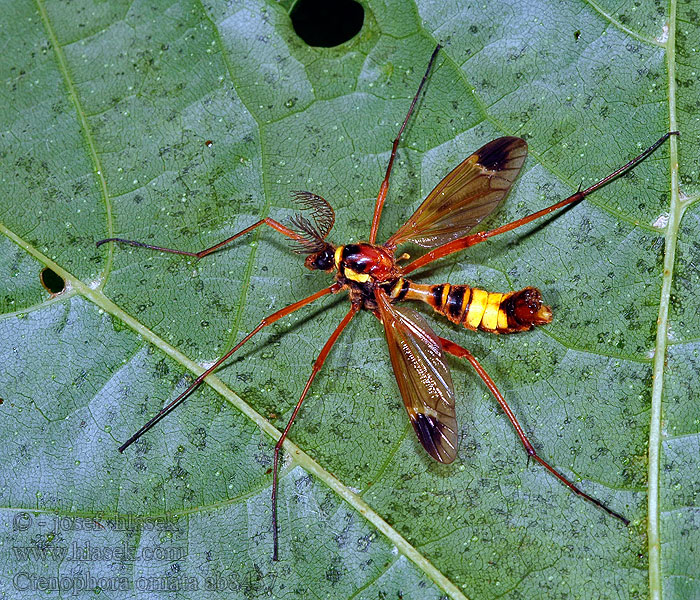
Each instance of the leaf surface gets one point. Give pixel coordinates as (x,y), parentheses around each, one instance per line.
(180,124)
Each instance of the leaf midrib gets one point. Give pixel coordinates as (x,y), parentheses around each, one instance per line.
(671,237)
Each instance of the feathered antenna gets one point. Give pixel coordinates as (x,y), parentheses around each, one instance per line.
(313,234)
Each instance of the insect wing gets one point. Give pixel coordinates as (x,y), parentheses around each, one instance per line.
(423,377)
(470,192)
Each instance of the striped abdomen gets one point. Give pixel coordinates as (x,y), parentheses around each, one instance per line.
(479,309)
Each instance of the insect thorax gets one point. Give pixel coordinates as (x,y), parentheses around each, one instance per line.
(362,268)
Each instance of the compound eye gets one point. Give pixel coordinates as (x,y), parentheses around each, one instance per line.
(321,261)
(325,260)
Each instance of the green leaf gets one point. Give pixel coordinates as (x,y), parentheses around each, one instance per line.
(180,124)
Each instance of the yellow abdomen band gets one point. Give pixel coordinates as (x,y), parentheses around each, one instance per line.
(477,307)
(490,320)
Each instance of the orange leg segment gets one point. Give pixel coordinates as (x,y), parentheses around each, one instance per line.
(476,238)
(384,188)
(460,352)
(316,368)
(202,253)
(264,323)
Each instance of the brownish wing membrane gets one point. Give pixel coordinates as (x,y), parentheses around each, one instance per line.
(468,194)
(423,377)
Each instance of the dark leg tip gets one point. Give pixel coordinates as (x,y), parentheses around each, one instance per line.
(618,516)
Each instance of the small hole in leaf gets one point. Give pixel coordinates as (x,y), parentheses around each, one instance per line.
(327,24)
(52,281)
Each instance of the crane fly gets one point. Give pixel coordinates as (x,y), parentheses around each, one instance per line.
(375,281)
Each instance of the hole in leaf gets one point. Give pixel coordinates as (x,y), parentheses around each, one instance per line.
(327,24)
(52,281)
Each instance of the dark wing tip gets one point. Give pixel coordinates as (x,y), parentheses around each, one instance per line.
(439,440)
(510,151)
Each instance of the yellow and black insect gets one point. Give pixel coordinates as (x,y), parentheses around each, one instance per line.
(375,281)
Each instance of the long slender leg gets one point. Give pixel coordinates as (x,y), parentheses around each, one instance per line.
(316,368)
(271,222)
(264,323)
(460,352)
(470,240)
(384,188)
